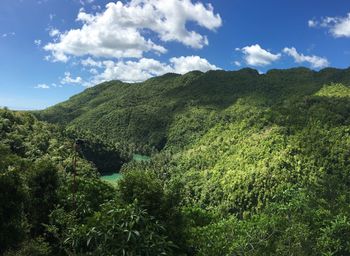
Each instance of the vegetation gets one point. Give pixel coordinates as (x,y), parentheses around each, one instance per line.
(242,164)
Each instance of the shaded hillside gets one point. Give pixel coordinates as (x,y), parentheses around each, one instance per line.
(46,194)
(35,162)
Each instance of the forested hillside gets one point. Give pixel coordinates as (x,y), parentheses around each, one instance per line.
(242,164)
(172,110)
(53,201)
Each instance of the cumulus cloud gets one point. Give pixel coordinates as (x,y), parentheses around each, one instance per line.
(132,71)
(68,79)
(182,65)
(140,70)
(42,86)
(120,31)
(93,71)
(337,26)
(54,32)
(314,61)
(254,55)
(37,42)
(312,23)
(89,62)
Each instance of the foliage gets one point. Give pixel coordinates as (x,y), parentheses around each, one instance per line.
(42,184)
(119,231)
(241,164)
(105,157)
(12,198)
(37,247)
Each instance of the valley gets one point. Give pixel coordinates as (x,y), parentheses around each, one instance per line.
(215,163)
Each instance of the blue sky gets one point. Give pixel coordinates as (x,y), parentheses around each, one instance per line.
(53,49)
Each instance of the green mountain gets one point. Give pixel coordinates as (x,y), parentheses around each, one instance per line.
(174,110)
(242,164)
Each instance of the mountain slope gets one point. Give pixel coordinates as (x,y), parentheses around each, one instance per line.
(152,114)
(254,164)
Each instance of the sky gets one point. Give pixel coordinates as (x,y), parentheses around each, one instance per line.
(53,49)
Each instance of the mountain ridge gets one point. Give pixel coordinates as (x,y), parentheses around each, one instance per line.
(128,113)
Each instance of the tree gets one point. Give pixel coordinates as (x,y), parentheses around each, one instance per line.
(42,184)
(12,198)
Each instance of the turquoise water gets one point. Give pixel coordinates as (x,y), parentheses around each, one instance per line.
(114,177)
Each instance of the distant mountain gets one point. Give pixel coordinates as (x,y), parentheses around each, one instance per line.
(174,110)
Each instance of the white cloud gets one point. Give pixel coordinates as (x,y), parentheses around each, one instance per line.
(42,86)
(314,61)
(120,31)
(237,63)
(37,42)
(338,26)
(68,79)
(341,27)
(254,55)
(89,62)
(54,32)
(312,23)
(8,34)
(140,70)
(93,71)
(85,2)
(183,64)
(132,71)
(96,7)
